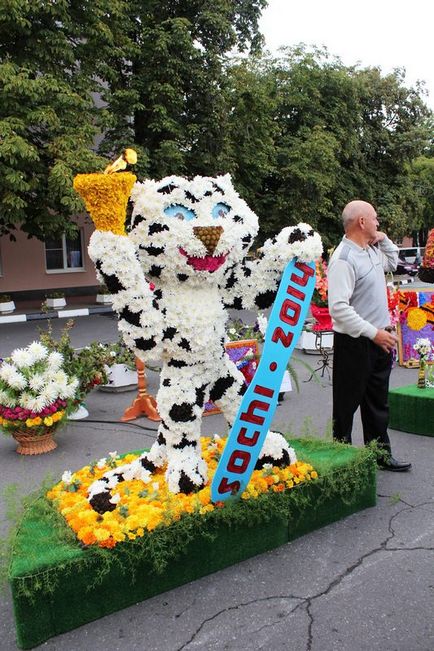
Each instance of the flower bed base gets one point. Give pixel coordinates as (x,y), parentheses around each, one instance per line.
(412,409)
(78,586)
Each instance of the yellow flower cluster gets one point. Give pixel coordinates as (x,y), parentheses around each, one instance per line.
(416,318)
(106,197)
(35,422)
(47,420)
(143,507)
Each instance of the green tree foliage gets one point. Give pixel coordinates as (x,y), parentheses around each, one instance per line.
(301,133)
(50,53)
(169,96)
(337,133)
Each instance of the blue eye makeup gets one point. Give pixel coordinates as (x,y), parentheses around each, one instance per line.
(179,212)
(220,210)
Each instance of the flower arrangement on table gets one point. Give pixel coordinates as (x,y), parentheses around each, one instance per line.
(36,390)
(425,349)
(141,506)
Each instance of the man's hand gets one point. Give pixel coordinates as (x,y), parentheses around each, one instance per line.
(379,237)
(386,340)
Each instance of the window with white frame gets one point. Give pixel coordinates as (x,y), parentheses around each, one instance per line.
(64,253)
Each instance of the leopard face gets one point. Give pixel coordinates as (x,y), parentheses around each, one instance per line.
(189,232)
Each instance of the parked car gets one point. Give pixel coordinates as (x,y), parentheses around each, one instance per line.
(412,254)
(404,267)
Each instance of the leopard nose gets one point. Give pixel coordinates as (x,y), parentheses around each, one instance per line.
(209,236)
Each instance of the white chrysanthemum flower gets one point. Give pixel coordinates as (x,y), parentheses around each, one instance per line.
(55,361)
(113,455)
(38,350)
(17,380)
(36,404)
(7,400)
(22,358)
(67,477)
(49,394)
(101,463)
(6,370)
(37,381)
(262,323)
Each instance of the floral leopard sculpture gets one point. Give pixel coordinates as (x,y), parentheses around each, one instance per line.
(190,238)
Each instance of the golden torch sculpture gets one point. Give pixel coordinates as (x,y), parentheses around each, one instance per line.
(106,194)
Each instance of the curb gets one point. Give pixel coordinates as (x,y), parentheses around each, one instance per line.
(56,314)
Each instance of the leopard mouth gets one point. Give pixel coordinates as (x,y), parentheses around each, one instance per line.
(208,263)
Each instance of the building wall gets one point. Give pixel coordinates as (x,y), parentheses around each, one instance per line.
(23,264)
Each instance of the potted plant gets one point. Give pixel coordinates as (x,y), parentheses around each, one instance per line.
(319,305)
(103,296)
(36,394)
(88,364)
(55,299)
(121,368)
(7,305)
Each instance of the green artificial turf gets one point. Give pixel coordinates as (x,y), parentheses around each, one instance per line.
(412,410)
(58,585)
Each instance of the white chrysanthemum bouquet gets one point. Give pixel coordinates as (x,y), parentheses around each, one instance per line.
(423,347)
(35,390)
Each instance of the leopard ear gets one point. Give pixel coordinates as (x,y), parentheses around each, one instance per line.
(225,180)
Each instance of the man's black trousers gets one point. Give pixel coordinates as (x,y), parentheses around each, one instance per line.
(361,372)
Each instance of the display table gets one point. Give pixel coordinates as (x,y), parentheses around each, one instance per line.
(58,584)
(412,410)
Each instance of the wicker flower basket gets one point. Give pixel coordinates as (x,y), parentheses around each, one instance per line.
(34,444)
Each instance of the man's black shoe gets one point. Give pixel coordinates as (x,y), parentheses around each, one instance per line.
(390,463)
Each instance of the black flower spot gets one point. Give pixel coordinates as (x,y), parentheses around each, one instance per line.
(155,271)
(296,236)
(157,228)
(182,413)
(265,300)
(131,317)
(169,333)
(177,363)
(220,387)
(144,344)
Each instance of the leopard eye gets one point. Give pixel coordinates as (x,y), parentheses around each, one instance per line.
(179,211)
(220,210)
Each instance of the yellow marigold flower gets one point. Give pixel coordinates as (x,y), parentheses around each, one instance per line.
(86,535)
(29,422)
(101,533)
(131,536)
(37,420)
(416,318)
(205,496)
(48,420)
(206,509)
(106,197)
(118,536)
(314,474)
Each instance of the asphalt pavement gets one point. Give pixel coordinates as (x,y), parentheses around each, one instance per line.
(365,582)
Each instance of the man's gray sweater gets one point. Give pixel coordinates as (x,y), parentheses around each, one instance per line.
(357,287)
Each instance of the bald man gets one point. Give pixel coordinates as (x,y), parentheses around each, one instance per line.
(363,341)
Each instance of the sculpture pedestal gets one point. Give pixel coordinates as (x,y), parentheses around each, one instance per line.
(79,585)
(412,409)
